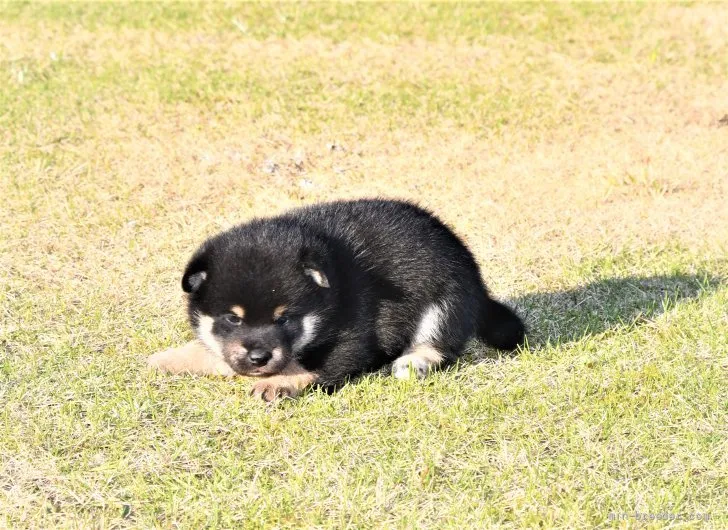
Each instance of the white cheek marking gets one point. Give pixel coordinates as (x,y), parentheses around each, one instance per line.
(277,355)
(239,355)
(204,331)
(308,333)
(429,327)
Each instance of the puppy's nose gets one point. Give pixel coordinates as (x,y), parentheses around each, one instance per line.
(259,357)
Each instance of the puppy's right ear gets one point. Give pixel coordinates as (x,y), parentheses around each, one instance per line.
(196,273)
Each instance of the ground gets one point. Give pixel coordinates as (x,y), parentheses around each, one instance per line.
(581,151)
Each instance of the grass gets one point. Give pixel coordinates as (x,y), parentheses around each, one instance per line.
(578,148)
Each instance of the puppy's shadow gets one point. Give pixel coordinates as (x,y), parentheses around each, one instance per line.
(565,316)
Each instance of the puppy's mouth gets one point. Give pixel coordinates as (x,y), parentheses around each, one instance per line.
(260,373)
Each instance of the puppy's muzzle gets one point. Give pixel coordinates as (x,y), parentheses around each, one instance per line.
(259,357)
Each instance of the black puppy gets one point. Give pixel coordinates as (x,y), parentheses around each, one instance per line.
(334,290)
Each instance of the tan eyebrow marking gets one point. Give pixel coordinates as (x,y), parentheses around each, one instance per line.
(278,311)
(238,310)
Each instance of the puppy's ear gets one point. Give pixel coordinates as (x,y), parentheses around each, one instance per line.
(313,267)
(318,277)
(196,273)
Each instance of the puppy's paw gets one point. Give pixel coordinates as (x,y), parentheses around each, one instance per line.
(290,382)
(192,358)
(417,361)
(272,388)
(409,366)
(169,360)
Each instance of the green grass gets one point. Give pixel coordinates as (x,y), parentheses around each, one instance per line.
(576,147)
(337,21)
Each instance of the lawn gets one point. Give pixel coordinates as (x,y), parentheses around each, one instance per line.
(580,149)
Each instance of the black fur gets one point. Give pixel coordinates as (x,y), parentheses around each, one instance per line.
(368,269)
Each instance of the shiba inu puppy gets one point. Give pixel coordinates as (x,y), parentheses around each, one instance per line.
(331,291)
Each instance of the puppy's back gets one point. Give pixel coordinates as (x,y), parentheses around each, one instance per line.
(395,239)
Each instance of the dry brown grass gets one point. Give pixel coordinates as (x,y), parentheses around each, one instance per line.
(627,150)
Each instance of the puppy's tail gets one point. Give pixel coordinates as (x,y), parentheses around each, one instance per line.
(500,327)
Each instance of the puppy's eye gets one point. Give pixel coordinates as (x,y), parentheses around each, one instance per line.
(235,320)
(280,321)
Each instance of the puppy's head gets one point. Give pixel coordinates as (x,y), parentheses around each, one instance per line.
(257,298)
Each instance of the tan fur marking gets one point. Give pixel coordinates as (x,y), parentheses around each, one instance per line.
(238,310)
(290,382)
(427,353)
(192,358)
(278,311)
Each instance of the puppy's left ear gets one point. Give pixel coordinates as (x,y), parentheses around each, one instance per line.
(196,273)
(318,277)
(312,268)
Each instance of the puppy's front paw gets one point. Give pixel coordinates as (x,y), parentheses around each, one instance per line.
(272,388)
(170,360)
(192,358)
(290,382)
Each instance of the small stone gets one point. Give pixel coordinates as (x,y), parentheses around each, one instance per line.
(270,166)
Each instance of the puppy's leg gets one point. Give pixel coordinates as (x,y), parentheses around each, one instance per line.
(290,382)
(192,358)
(420,359)
(441,333)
